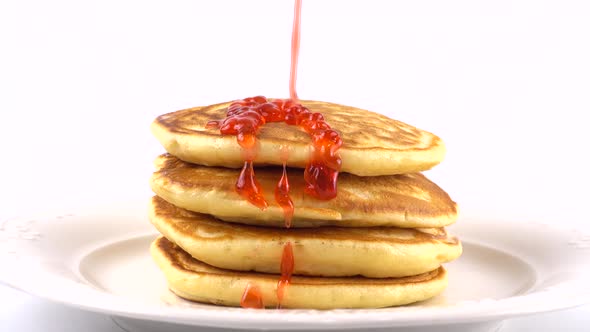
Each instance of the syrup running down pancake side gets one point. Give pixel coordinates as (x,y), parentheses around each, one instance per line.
(202,181)
(282,197)
(246,116)
(244,119)
(287,267)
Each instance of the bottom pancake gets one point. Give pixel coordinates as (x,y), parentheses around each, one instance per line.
(197,281)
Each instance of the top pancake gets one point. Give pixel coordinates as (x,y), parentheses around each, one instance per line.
(373,144)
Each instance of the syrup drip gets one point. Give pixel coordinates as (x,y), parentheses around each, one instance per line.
(249,188)
(252,297)
(244,119)
(287,266)
(282,197)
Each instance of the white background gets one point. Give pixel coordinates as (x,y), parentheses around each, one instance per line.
(506,85)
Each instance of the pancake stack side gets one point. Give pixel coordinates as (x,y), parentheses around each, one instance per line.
(381,242)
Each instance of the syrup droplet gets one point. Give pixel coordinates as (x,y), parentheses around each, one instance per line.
(249,188)
(287,267)
(282,197)
(252,297)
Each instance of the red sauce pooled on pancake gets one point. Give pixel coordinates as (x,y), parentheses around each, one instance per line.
(246,117)
(252,297)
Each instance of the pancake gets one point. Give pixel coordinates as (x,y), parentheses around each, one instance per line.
(404,200)
(197,281)
(393,252)
(373,143)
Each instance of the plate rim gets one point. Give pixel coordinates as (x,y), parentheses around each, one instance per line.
(562,297)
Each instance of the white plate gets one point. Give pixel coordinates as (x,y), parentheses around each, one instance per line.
(98,259)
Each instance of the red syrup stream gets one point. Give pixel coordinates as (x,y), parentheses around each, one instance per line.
(295,38)
(245,118)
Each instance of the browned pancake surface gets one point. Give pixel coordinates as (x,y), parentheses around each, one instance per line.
(404,200)
(373,144)
(183,261)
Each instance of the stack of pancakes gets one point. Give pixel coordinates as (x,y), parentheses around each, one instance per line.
(379,243)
